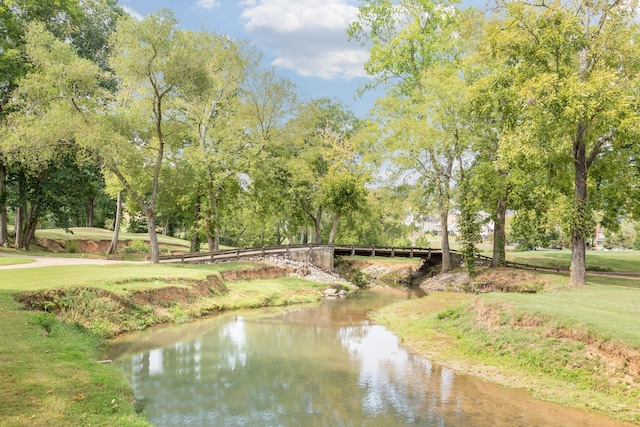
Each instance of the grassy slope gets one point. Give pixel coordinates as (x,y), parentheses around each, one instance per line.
(49,370)
(511,338)
(54,378)
(87,233)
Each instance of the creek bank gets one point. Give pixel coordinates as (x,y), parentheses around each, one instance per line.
(179,300)
(554,359)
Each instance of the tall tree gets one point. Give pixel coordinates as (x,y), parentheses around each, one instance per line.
(418,51)
(577,75)
(151,62)
(59,17)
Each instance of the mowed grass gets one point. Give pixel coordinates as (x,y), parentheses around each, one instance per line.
(106,276)
(623,261)
(612,312)
(92,233)
(52,378)
(13,260)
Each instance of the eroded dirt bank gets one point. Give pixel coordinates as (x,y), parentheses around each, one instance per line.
(172,300)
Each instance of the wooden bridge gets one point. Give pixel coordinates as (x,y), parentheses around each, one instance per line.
(321,255)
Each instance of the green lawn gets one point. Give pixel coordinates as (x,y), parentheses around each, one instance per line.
(610,311)
(106,276)
(88,233)
(50,375)
(627,261)
(12,260)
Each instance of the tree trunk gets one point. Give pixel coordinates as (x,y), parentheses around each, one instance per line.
(499,235)
(29,232)
(91,211)
(19,218)
(153,237)
(334,229)
(4,228)
(578,228)
(113,248)
(444,241)
(317,229)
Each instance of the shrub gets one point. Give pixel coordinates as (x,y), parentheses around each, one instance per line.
(136,247)
(71,246)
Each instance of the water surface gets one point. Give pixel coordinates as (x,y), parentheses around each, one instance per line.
(325,365)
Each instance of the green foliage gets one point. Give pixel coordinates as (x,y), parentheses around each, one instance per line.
(423,242)
(47,321)
(71,246)
(469,226)
(136,247)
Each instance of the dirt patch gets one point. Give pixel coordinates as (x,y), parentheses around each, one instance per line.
(52,245)
(487,280)
(53,300)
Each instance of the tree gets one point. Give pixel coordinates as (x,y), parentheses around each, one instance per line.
(151,62)
(58,17)
(417,50)
(321,129)
(575,67)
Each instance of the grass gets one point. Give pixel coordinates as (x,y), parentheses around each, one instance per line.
(623,261)
(612,312)
(49,369)
(13,260)
(53,378)
(263,293)
(89,233)
(567,345)
(104,276)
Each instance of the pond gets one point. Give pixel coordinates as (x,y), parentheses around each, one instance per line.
(322,365)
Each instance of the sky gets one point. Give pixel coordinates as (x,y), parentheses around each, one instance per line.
(304,40)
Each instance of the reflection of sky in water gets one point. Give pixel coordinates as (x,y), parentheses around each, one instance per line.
(155,362)
(234,334)
(386,370)
(269,372)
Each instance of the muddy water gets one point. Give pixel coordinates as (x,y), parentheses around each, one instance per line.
(314,366)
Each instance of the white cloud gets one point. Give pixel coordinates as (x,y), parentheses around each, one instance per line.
(207,4)
(307,36)
(137,16)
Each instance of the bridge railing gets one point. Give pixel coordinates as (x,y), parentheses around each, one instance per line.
(238,252)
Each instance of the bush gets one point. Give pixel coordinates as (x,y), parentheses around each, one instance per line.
(71,246)
(136,247)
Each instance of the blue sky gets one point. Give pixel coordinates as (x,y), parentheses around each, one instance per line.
(305,40)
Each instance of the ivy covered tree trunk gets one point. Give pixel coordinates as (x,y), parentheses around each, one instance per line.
(579,220)
(499,235)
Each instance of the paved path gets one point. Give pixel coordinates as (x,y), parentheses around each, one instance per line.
(45,261)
